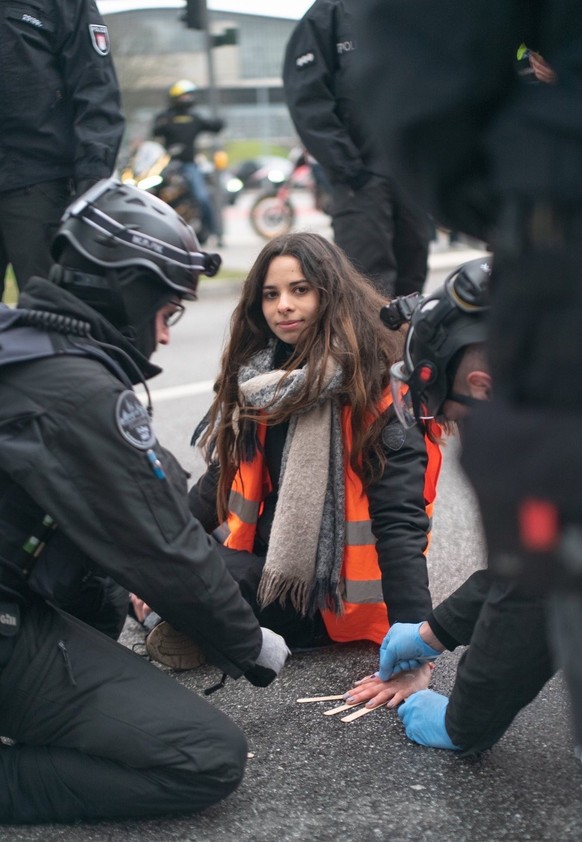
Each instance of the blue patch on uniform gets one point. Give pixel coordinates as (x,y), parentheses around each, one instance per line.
(133,421)
(394,435)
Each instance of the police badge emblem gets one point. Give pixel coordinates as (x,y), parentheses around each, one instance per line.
(100,39)
(133,421)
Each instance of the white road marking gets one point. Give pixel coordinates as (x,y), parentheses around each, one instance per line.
(171,393)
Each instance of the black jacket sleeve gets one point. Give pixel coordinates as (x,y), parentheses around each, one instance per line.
(401,525)
(92,90)
(202,498)
(454,620)
(309,68)
(71,456)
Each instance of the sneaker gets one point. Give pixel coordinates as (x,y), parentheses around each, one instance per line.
(173,649)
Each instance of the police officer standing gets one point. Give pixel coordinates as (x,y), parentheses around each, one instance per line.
(383,234)
(97,731)
(61,122)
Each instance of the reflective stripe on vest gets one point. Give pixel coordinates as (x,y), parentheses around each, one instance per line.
(364,615)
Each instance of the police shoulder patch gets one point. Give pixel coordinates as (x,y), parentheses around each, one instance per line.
(133,421)
(394,435)
(100,39)
(305,60)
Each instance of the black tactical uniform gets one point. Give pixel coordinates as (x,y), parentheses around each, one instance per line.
(98,731)
(506,665)
(75,442)
(61,121)
(384,235)
(502,160)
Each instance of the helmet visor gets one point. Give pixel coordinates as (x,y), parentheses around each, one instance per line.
(401,395)
(406,401)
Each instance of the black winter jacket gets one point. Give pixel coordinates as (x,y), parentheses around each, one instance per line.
(322,94)
(75,443)
(61,111)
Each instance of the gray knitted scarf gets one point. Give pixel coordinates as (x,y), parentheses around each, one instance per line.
(306,544)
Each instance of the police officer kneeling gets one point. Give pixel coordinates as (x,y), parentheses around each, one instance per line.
(86,489)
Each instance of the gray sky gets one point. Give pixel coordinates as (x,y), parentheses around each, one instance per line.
(274,8)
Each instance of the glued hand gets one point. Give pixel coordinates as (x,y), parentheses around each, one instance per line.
(375,692)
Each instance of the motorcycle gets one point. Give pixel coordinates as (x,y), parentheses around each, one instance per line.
(152,168)
(273,213)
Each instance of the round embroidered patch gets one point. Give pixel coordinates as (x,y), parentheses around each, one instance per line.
(394,435)
(133,421)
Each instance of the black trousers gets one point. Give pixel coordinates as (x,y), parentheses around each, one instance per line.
(299,632)
(100,733)
(29,219)
(384,237)
(505,667)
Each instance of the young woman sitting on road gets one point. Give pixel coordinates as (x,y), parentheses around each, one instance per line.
(323,499)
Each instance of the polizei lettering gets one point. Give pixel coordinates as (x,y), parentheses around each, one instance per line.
(346,46)
(146,243)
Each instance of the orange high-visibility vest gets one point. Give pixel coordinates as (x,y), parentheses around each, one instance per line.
(364,616)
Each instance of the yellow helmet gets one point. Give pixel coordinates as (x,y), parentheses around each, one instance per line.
(183,91)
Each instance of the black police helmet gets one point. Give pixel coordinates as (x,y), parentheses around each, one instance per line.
(125,252)
(114,225)
(440,327)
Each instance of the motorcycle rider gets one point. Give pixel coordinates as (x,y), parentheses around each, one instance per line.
(98,732)
(178,127)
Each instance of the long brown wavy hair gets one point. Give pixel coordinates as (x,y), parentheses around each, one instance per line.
(348,329)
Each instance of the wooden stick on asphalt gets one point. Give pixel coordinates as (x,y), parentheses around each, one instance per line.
(339,709)
(350,717)
(322,699)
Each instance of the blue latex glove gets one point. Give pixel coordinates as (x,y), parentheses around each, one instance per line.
(423,717)
(404,649)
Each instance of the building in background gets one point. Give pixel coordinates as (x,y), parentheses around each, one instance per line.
(152,49)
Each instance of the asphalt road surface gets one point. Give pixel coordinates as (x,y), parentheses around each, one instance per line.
(312,778)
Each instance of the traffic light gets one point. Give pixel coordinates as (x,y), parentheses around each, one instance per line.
(195,14)
(228,37)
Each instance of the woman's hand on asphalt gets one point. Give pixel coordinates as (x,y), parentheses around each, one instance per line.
(375,692)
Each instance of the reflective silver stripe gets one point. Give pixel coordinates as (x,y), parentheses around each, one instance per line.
(359,533)
(246,510)
(363,592)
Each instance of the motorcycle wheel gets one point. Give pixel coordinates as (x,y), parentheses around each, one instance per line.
(270,216)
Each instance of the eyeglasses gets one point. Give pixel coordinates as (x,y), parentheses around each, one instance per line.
(170,319)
